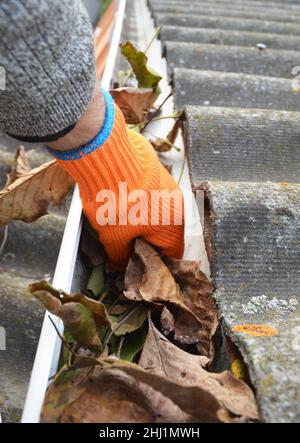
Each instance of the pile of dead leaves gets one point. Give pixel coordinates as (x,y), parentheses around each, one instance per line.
(141,352)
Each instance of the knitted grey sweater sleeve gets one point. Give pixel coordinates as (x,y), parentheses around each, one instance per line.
(47,56)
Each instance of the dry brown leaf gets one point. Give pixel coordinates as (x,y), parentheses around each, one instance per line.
(78,319)
(197,291)
(65,389)
(80,323)
(134,102)
(165,144)
(192,399)
(20,167)
(122,392)
(187,330)
(51,303)
(28,197)
(110,398)
(167,321)
(92,249)
(81,315)
(148,278)
(161,145)
(104,396)
(161,357)
(42,288)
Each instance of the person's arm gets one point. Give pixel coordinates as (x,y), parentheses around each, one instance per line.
(47,51)
(87,127)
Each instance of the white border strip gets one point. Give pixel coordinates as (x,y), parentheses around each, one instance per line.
(48,350)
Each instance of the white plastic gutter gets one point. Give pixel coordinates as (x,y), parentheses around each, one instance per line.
(49,346)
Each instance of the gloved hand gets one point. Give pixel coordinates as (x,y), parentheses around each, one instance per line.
(120,178)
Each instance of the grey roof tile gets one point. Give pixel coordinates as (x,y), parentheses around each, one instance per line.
(255,266)
(203,21)
(29,254)
(246,145)
(227,11)
(290,5)
(269,62)
(213,88)
(228,37)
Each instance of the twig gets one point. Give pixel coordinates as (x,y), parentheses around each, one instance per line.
(4,239)
(66,344)
(183,161)
(120,346)
(114,304)
(156,32)
(129,74)
(156,111)
(103,296)
(165,140)
(163,117)
(71,355)
(118,325)
(182,169)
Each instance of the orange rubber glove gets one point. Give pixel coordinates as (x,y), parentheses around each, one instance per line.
(120,157)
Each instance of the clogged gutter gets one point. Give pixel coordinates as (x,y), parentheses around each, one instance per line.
(140,346)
